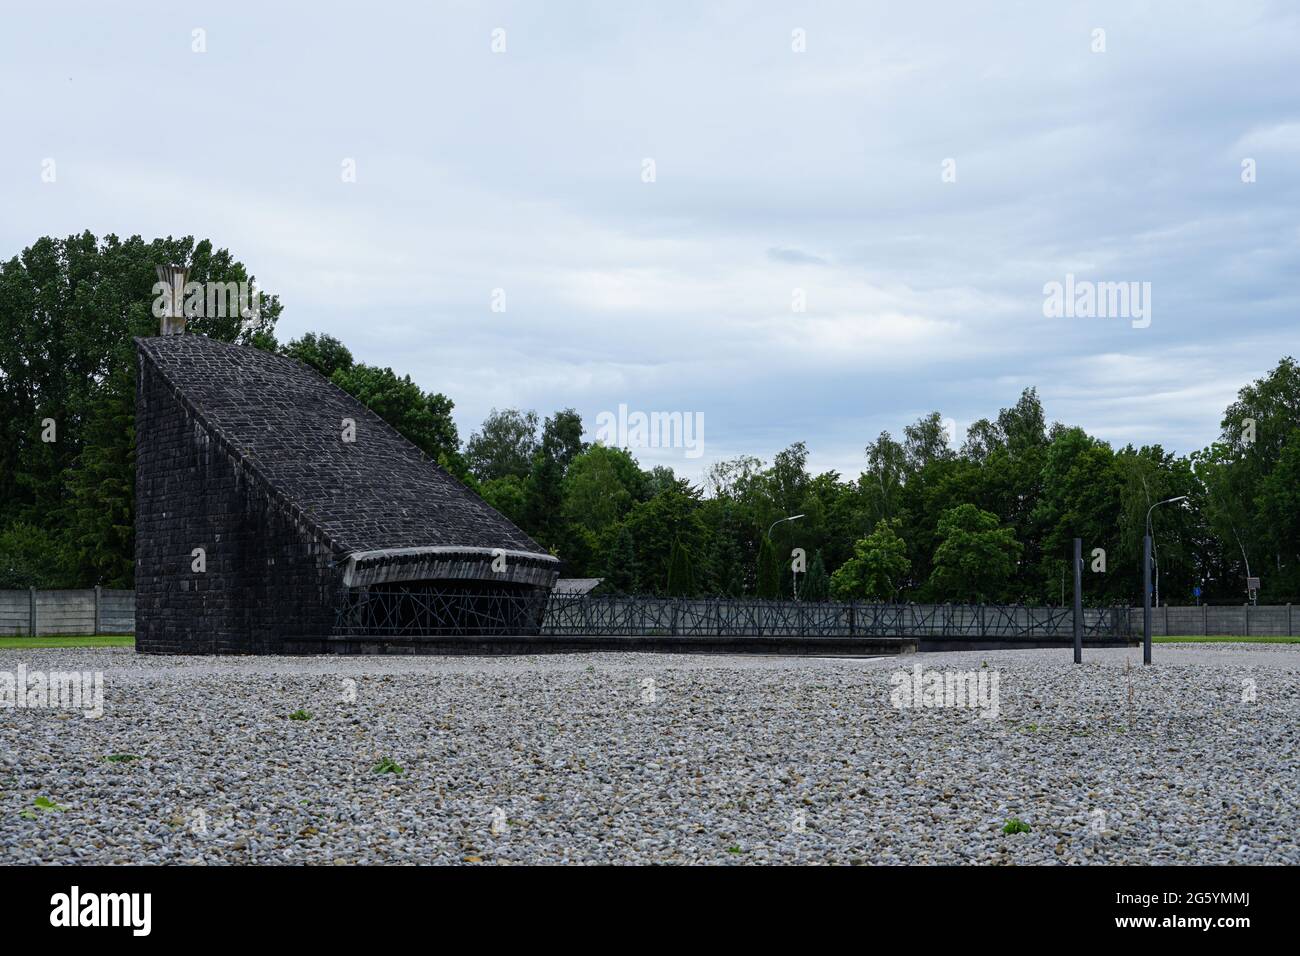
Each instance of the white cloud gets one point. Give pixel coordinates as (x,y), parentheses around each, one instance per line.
(777,171)
(1278,137)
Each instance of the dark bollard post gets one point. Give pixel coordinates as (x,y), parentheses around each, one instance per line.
(1078,600)
(1146,600)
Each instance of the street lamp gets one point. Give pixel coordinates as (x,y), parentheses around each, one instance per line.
(794,578)
(1153,540)
(778,521)
(1146,581)
(1244,557)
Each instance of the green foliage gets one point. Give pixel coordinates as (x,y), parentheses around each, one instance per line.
(817,585)
(300,714)
(878,568)
(505,445)
(324,353)
(769,571)
(925,443)
(99,511)
(669,518)
(731,561)
(660,479)
(976,556)
(32,557)
(423,418)
(544,490)
(600,488)
(681,576)
(121,758)
(1258,430)
(387,765)
(1080,498)
(68,311)
(621,569)
(508,495)
(993,520)
(1278,505)
(1016,825)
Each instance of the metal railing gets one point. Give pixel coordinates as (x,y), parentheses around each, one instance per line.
(435,610)
(415,611)
(726,617)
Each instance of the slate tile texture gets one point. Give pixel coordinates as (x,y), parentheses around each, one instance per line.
(241,453)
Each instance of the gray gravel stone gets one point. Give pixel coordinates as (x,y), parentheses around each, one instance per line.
(578,759)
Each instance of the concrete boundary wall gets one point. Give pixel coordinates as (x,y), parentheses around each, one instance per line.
(1240,620)
(88,611)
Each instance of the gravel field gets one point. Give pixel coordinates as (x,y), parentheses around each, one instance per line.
(629,758)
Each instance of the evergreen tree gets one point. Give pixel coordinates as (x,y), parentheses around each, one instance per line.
(31,557)
(816,585)
(622,573)
(769,571)
(561,444)
(100,511)
(671,515)
(68,311)
(681,577)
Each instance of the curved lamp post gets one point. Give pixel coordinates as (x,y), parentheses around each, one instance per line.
(793,578)
(778,521)
(1151,535)
(1146,581)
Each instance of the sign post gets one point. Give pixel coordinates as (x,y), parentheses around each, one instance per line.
(1078,600)
(1146,600)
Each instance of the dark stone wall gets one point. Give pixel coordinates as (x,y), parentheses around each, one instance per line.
(271,585)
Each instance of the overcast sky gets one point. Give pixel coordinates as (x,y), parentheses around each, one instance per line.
(774,171)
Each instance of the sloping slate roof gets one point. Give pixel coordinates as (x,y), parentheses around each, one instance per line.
(285,421)
(576,585)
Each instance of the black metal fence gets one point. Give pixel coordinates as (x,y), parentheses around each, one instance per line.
(435,611)
(415,611)
(727,617)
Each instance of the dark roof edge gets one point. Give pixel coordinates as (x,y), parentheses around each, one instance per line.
(228,446)
(379,554)
(449,562)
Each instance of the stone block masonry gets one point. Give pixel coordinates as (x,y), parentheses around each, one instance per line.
(265,576)
(251,504)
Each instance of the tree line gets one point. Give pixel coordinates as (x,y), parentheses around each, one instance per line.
(990,520)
